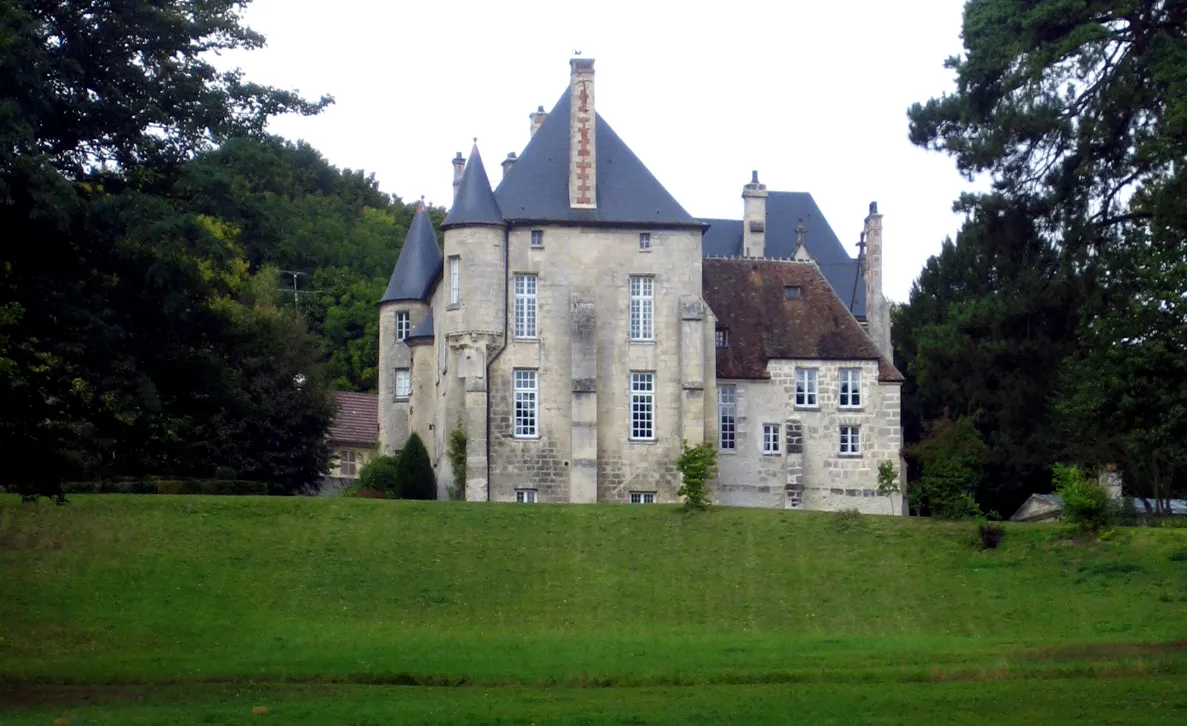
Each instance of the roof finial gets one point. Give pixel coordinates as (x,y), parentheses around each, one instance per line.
(800,231)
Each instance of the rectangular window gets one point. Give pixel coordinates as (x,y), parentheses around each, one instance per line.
(770,438)
(403,326)
(403,383)
(642,308)
(525,306)
(850,441)
(455,280)
(642,406)
(850,388)
(537,238)
(722,337)
(348,464)
(642,497)
(806,388)
(644,241)
(791,292)
(526,403)
(727,409)
(525,496)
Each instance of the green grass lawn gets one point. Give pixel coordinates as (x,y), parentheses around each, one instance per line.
(158,609)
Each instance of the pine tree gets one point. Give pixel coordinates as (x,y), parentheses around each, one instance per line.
(414,471)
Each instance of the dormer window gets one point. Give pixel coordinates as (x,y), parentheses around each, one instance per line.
(792,292)
(537,238)
(644,241)
(722,336)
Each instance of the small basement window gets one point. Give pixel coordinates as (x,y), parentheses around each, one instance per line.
(642,497)
(525,496)
(792,292)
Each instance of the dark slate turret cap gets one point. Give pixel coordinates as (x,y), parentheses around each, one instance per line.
(419,263)
(475,201)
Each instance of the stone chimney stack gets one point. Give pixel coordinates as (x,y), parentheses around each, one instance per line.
(754,218)
(583,181)
(459,166)
(877,309)
(537,118)
(508,163)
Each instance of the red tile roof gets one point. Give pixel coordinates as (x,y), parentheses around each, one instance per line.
(749,299)
(357,420)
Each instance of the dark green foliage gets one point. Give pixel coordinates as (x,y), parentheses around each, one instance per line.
(381,474)
(888,485)
(952,459)
(990,534)
(1086,505)
(457,459)
(134,338)
(697,465)
(212,486)
(414,471)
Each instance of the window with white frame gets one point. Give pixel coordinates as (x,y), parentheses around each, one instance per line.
(642,307)
(525,306)
(537,238)
(850,441)
(850,388)
(348,464)
(806,387)
(455,280)
(526,403)
(525,496)
(403,325)
(642,406)
(770,438)
(722,337)
(642,497)
(727,411)
(644,241)
(403,383)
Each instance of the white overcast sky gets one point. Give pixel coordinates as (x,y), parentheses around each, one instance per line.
(812,95)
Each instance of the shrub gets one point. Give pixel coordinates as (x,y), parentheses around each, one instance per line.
(697,464)
(414,471)
(380,475)
(953,459)
(220,487)
(359,492)
(888,481)
(457,459)
(990,533)
(1086,504)
(225,472)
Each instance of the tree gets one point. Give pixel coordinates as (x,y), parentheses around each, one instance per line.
(123,311)
(414,471)
(697,465)
(381,474)
(953,460)
(888,484)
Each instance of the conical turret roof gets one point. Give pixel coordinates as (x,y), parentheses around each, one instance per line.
(475,202)
(419,262)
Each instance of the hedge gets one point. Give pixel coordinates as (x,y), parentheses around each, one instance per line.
(169,486)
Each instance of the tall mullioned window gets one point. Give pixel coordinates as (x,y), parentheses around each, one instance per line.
(403,325)
(455,280)
(526,403)
(806,387)
(642,307)
(525,306)
(727,409)
(850,388)
(642,406)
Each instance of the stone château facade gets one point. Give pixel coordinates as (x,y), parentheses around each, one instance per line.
(578,324)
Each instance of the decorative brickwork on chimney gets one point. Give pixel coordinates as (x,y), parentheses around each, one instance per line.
(582,141)
(754,218)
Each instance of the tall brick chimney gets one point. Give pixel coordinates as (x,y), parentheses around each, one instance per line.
(877,309)
(537,118)
(583,181)
(754,217)
(509,162)
(459,166)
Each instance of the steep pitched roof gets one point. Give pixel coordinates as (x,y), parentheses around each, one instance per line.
(723,238)
(749,300)
(537,187)
(423,330)
(419,262)
(357,419)
(475,202)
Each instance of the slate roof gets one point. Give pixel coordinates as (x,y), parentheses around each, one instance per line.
(423,329)
(537,187)
(357,419)
(419,263)
(748,298)
(475,202)
(723,238)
